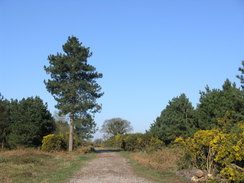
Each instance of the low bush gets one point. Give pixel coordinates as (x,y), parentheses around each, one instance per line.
(54,142)
(135,142)
(85,149)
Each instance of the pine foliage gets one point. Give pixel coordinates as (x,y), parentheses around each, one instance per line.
(177,119)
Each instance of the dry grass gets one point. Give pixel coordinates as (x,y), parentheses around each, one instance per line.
(30,165)
(165,159)
(159,166)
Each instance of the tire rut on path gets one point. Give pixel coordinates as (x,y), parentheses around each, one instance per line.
(107,167)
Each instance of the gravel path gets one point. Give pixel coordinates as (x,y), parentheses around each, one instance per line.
(107,167)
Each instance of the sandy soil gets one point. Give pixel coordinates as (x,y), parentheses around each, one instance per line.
(107,167)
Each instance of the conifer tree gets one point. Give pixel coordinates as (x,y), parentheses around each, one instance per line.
(214,103)
(4,121)
(241,77)
(177,119)
(73,83)
(30,121)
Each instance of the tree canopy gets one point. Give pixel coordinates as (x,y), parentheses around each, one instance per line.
(241,76)
(4,120)
(177,119)
(215,103)
(85,128)
(73,83)
(116,126)
(30,120)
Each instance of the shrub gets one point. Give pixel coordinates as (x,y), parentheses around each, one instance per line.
(115,141)
(142,142)
(135,142)
(54,142)
(85,149)
(218,151)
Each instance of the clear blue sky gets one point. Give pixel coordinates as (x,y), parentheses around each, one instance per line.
(148,50)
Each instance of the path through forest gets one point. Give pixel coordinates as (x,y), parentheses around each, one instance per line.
(107,167)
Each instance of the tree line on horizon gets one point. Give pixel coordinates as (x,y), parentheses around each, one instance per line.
(73,84)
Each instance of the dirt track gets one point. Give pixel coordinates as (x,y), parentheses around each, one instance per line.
(107,167)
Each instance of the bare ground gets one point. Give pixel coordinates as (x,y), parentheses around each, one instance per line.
(108,167)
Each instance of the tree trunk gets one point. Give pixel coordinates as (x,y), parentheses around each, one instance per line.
(71,132)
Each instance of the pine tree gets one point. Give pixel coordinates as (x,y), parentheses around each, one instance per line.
(214,103)
(30,120)
(4,121)
(241,77)
(85,128)
(73,83)
(177,119)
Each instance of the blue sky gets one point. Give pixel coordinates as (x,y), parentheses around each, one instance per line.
(148,50)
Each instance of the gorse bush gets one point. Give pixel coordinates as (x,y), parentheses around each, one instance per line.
(85,149)
(218,150)
(54,142)
(135,142)
(59,142)
(141,142)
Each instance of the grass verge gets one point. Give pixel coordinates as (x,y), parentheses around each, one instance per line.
(33,166)
(161,176)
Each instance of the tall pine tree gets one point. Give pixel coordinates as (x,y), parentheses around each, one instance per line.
(73,83)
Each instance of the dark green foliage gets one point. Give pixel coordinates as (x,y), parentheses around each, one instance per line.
(30,121)
(4,121)
(177,119)
(73,83)
(116,126)
(85,128)
(215,103)
(241,76)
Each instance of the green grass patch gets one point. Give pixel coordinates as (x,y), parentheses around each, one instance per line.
(153,174)
(40,167)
